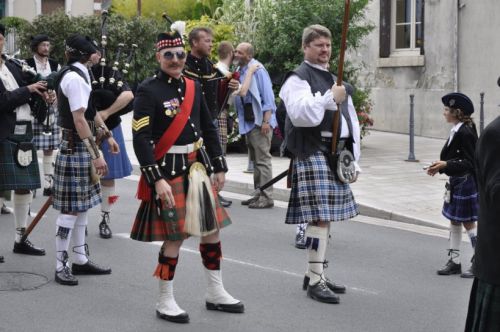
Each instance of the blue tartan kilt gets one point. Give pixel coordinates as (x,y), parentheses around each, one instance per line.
(316,196)
(464,203)
(13,176)
(46,142)
(73,191)
(119,165)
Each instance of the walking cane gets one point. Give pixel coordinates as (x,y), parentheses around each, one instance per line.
(39,216)
(340,74)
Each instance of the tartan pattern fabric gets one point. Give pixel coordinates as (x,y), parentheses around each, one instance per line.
(222,126)
(464,203)
(211,254)
(119,165)
(169,224)
(484,307)
(46,142)
(165,270)
(73,191)
(13,176)
(316,197)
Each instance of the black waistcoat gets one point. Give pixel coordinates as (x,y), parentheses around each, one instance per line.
(52,63)
(304,141)
(65,116)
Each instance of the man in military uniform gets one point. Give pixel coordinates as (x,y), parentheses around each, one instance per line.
(47,134)
(177,146)
(18,161)
(200,68)
(76,186)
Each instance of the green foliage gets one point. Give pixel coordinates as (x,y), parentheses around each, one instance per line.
(138,30)
(177,10)
(274,27)
(12,22)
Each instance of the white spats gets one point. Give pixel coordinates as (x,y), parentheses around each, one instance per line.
(216,293)
(166,302)
(21,208)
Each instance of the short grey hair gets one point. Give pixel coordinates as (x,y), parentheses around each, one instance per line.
(313,32)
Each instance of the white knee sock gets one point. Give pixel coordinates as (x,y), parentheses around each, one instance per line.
(48,170)
(455,240)
(108,198)
(64,226)
(472,236)
(316,243)
(21,209)
(80,255)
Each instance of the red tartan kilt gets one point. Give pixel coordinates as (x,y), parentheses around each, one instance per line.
(149,226)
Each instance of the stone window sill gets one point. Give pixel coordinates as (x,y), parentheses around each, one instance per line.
(402,61)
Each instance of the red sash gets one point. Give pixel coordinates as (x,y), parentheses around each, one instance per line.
(169,136)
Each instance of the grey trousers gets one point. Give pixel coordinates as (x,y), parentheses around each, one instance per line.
(259,150)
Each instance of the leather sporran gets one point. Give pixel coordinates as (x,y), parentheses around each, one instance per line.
(342,165)
(447,193)
(23,154)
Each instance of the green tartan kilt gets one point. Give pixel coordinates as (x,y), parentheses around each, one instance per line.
(13,176)
(484,308)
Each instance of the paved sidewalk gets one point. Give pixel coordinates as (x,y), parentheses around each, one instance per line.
(389,187)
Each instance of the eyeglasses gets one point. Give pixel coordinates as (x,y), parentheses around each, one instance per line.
(170,55)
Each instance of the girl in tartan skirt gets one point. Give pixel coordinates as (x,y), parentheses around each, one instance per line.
(456,160)
(76,186)
(176,143)
(317,196)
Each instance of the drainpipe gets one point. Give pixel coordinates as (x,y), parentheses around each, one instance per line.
(457,48)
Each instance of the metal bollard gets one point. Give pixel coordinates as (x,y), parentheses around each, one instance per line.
(481,113)
(411,155)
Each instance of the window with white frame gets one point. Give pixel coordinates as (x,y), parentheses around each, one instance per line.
(406,27)
(2,8)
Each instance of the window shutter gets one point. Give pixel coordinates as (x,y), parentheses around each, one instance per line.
(385,28)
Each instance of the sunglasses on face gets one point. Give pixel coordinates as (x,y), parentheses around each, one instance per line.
(170,55)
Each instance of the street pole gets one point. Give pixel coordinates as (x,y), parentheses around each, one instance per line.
(411,155)
(139,7)
(481,113)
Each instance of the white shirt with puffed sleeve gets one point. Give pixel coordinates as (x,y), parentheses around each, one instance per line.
(74,87)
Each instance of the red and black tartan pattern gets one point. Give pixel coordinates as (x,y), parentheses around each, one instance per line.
(211,254)
(73,191)
(222,130)
(13,176)
(47,142)
(464,203)
(169,224)
(165,270)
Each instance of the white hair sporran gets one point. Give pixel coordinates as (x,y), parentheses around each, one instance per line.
(201,217)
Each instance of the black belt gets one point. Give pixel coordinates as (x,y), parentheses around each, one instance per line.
(340,144)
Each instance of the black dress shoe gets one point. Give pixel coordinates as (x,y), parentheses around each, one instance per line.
(450,268)
(334,287)
(47,191)
(224,201)
(104,230)
(469,274)
(65,277)
(27,248)
(1,259)
(320,292)
(181,318)
(89,268)
(236,308)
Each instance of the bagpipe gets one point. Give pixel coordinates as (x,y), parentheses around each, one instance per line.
(42,111)
(108,80)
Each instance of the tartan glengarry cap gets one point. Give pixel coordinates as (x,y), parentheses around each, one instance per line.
(169,39)
(458,100)
(80,45)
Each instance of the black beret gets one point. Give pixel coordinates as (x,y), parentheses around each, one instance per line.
(458,100)
(79,45)
(37,40)
(2,29)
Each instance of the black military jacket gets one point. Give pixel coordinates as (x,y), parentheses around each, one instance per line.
(487,162)
(10,100)
(202,70)
(154,103)
(459,155)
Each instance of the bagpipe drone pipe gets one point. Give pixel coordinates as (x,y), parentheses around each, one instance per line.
(108,79)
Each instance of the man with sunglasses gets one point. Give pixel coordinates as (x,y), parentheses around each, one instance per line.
(200,68)
(176,143)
